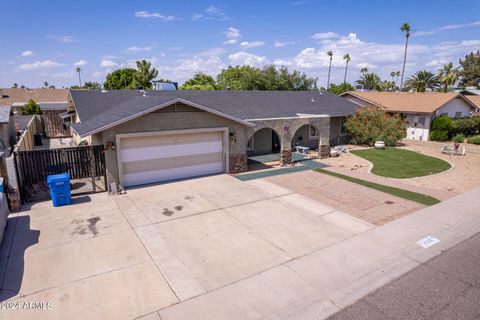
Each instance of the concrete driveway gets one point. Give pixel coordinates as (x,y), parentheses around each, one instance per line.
(210,248)
(197,243)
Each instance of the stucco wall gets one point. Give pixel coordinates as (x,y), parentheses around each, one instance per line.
(171,121)
(453,106)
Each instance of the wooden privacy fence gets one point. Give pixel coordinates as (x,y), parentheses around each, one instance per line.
(80,162)
(26,141)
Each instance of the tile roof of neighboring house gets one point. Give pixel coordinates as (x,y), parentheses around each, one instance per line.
(98,110)
(9,96)
(421,102)
(5,114)
(474,99)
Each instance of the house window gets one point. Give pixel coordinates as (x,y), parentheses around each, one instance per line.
(445,114)
(458,115)
(421,120)
(313,133)
(250,144)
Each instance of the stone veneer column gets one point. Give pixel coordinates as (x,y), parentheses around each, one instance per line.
(238,163)
(323,151)
(285,157)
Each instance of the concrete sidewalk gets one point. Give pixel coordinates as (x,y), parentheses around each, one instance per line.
(444,288)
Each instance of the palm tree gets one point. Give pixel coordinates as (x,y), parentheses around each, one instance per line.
(347,59)
(421,81)
(364,70)
(447,75)
(330,54)
(45,84)
(144,75)
(405,28)
(78,70)
(371,81)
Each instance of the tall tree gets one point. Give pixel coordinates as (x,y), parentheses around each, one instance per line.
(15,85)
(371,81)
(121,79)
(397,74)
(31,108)
(447,75)
(341,88)
(406,29)
(470,69)
(330,55)
(78,70)
(45,84)
(364,70)
(88,85)
(267,78)
(347,59)
(145,74)
(200,81)
(392,74)
(421,81)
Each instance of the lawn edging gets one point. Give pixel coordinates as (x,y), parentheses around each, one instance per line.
(401,193)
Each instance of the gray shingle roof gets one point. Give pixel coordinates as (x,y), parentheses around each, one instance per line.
(53,105)
(97,109)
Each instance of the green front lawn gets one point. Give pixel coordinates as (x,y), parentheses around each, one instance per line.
(401,163)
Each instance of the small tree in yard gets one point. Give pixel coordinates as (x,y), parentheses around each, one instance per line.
(368,125)
(31,108)
(441,128)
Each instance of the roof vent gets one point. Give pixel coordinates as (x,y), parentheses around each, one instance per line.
(144,93)
(313,99)
(104,91)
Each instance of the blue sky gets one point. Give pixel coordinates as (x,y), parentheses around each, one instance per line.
(46,40)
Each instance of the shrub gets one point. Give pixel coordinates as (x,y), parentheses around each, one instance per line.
(441,128)
(31,108)
(458,138)
(370,124)
(468,126)
(474,140)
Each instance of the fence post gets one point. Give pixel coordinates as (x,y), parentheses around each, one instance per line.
(92,167)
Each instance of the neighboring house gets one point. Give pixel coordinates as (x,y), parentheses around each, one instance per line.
(417,108)
(163,135)
(53,102)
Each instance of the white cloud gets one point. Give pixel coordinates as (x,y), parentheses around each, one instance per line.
(210,13)
(62,74)
(231,41)
(245,58)
(367,65)
(232,33)
(324,35)
(27,53)
(446,28)
(282,63)
(106,63)
(253,44)
(45,64)
(134,50)
(80,63)
(98,74)
(197,16)
(155,15)
(280,44)
(64,39)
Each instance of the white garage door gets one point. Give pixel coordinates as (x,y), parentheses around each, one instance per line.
(154,158)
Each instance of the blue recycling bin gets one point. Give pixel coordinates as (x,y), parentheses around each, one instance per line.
(59,185)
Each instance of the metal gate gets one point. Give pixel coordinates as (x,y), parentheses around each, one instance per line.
(80,162)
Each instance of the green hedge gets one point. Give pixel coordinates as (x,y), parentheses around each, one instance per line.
(474,140)
(441,128)
(467,126)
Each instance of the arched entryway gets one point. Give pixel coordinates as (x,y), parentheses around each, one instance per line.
(263,142)
(306,136)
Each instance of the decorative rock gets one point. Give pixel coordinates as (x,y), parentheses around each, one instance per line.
(238,163)
(285,156)
(323,151)
(379,145)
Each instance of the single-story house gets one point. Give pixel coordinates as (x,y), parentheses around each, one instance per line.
(153,136)
(53,102)
(417,108)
